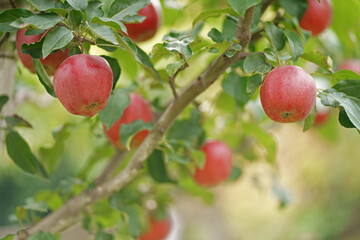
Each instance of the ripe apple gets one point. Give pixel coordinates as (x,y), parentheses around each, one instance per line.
(317,16)
(158,230)
(83,84)
(50,63)
(145,30)
(351,64)
(218,164)
(288,94)
(138,109)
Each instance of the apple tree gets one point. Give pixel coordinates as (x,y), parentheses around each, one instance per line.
(169,94)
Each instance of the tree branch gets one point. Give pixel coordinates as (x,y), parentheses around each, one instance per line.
(12,3)
(172,79)
(63,217)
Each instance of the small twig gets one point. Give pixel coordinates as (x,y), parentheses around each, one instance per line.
(12,3)
(4,37)
(172,79)
(112,166)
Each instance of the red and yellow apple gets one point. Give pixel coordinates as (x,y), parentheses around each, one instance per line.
(218,164)
(50,63)
(138,109)
(288,94)
(145,30)
(317,16)
(158,230)
(83,84)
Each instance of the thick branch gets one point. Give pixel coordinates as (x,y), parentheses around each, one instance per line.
(62,218)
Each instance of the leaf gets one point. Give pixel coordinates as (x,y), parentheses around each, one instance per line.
(345,74)
(19,151)
(271,55)
(101,235)
(188,184)
(296,45)
(333,98)
(229,28)
(276,35)
(134,224)
(173,67)
(309,120)
(240,6)
(115,24)
(186,130)
(42,236)
(212,13)
(16,120)
(41,20)
(344,119)
(57,38)
(45,5)
(8,237)
(31,204)
(104,32)
(295,8)
(216,35)
(75,17)
(3,100)
(319,59)
(236,86)
(51,156)
(78,4)
(156,167)
(262,137)
(121,9)
(178,44)
(235,174)
(115,107)
(199,158)
(43,77)
(94,10)
(253,83)
(128,131)
(33,49)
(115,67)
(9,16)
(350,87)
(256,63)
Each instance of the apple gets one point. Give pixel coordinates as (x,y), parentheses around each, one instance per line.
(138,109)
(145,30)
(83,84)
(50,63)
(158,230)
(351,64)
(288,94)
(218,164)
(317,16)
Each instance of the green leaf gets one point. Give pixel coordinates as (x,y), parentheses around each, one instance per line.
(271,56)
(115,107)
(296,45)
(33,49)
(19,151)
(50,156)
(276,35)
(41,20)
(209,13)
(115,24)
(9,16)
(43,77)
(186,130)
(256,63)
(3,101)
(236,86)
(350,87)
(188,184)
(216,35)
(333,98)
(128,131)
(45,5)
(78,4)
(16,121)
(75,17)
(344,119)
(240,6)
(295,8)
(104,32)
(309,121)
(101,235)
(94,10)
(229,28)
(31,204)
(134,224)
(115,67)
(262,137)
(156,167)
(8,237)
(253,83)
(235,174)
(121,9)
(173,67)
(345,74)
(42,236)
(57,38)
(199,158)
(178,44)
(319,59)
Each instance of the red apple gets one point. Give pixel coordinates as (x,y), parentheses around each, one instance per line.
(145,30)
(138,109)
(83,84)
(351,64)
(288,94)
(158,230)
(50,63)
(218,164)
(317,16)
